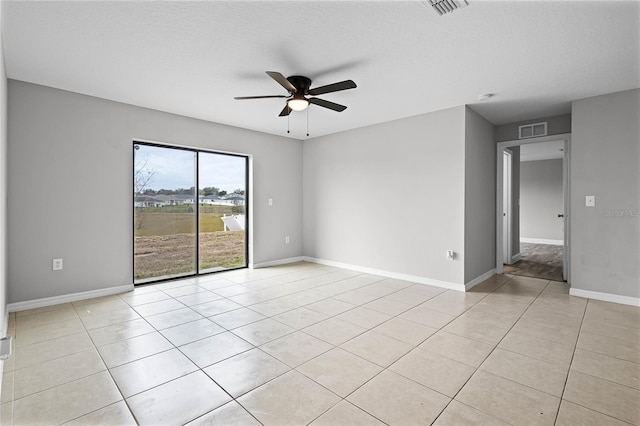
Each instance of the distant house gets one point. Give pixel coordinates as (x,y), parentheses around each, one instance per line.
(209,199)
(162,200)
(225,200)
(147,201)
(176,199)
(234,200)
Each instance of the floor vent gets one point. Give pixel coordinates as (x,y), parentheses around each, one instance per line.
(532,130)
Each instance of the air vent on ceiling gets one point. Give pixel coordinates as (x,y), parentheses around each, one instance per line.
(447,6)
(532,130)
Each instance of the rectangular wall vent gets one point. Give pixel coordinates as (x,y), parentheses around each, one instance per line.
(446,6)
(532,130)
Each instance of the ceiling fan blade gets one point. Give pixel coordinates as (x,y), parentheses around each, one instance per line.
(327,104)
(285,111)
(259,97)
(335,87)
(282,80)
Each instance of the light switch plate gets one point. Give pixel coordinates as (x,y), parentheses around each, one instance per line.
(590,201)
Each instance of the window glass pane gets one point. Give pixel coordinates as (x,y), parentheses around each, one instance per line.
(164,213)
(222,196)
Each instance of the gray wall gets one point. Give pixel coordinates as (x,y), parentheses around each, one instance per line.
(605,162)
(3,187)
(541,200)
(480,196)
(556,125)
(70,180)
(389,196)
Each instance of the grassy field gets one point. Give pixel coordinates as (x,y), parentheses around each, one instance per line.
(152,221)
(154,224)
(166,255)
(165,241)
(186,208)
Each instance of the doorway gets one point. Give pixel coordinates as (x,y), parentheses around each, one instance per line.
(189,212)
(533,220)
(507,213)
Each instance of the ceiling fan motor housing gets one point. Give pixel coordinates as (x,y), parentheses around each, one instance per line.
(301,83)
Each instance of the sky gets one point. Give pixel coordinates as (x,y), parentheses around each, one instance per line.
(175,168)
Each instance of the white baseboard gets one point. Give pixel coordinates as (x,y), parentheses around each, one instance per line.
(542,241)
(516,257)
(605,297)
(388,274)
(276,262)
(66,298)
(474,282)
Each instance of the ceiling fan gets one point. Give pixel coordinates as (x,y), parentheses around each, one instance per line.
(299,87)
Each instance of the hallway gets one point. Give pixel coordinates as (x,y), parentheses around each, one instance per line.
(538,261)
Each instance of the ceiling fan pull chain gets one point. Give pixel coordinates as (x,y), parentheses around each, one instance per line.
(307,121)
(288,118)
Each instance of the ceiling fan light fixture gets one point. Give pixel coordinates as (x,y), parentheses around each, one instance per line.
(298,104)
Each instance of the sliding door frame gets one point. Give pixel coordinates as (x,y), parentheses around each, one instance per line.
(247,197)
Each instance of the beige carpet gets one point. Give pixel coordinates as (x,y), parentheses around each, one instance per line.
(539,261)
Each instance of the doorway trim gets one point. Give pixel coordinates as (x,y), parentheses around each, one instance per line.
(567,196)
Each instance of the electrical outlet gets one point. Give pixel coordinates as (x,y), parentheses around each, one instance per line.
(287,240)
(57,264)
(450,254)
(270,201)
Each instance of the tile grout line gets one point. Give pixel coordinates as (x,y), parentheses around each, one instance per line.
(95,347)
(202,369)
(384,369)
(234,399)
(338,346)
(492,351)
(172,297)
(371,329)
(607,380)
(198,368)
(476,368)
(295,330)
(575,346)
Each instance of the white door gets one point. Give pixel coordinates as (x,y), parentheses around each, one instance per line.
(506,207)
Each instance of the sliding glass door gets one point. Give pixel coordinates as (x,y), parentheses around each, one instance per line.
(222,213)
(189,212)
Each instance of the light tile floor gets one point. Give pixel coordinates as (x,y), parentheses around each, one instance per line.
(309,344)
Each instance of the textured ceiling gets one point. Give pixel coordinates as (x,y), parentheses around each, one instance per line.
(192,58)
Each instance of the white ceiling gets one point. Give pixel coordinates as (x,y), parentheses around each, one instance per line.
(192,58)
